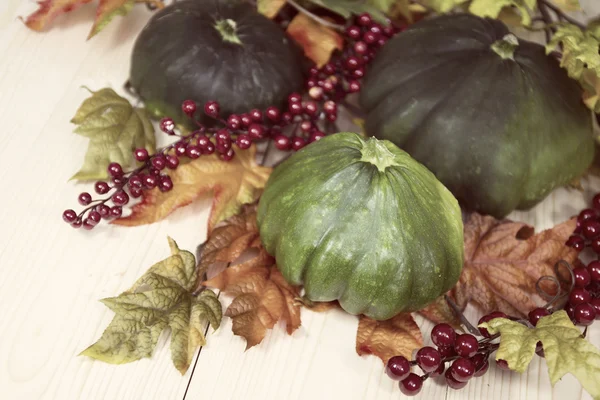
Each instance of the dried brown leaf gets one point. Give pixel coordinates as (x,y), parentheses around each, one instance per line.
(439,311)
(505,259)
(396,336)
(318,41)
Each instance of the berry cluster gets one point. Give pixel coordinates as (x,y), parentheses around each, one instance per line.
(300,122)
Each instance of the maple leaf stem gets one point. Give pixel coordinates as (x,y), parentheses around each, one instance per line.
(461,316)
(314,17)
(544,5)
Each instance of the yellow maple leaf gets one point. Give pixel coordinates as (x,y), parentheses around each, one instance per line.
(232,183)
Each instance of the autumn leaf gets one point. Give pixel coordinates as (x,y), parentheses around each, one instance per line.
(107,10)
(318,41)
(115,128)
(505,259)
(493,8)
(591,86)
(579,49)
(48,10)
(232,184)
(261,298)
(161,298)
(439,311)
(396,336)
(565,350)
(270,8)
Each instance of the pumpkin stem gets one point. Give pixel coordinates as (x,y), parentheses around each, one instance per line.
(375,152)
(227,29)
(506,47)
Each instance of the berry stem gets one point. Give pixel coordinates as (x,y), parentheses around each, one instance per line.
(461,316)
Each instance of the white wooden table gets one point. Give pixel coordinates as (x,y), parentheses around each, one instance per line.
(52,276)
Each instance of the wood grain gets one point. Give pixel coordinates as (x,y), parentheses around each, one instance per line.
(52,276)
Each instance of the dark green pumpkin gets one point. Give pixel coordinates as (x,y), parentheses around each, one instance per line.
(213,50)
(363,223)
(494,118)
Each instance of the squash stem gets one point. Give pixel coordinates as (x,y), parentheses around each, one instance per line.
(506,47)
(227,29)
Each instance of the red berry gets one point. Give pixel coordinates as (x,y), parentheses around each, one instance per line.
(118,180)
(360,48)
(582,277)
(579,296)
(149,181)
(208,149)
(590,229)
(481,364)
(594,270)
(316,93)
(165,183)
(120,198)
(443,335)
(585,314)
(596,245)
(116,211)
(141,155)
(398,368)
(101,187)
(135,181)
(440,370)
(353,62)
(364,19)
(310,108)
(466,345)
(69,216)
(223,136)
(180,148)
(453,383)
(570,310)
(103,210)
(428,359)
(295,108)
(370,37)
(536,314)
(88,224)
(77,223)
(358,72)
(135,192)
(193,151)
(596,304)
(330,107)
(273,114)
(411,385)
(256,115)
(159,162)
(329,69)
(298,143)
(331,117)
(167,125)
(306,126)
(282,142)
(294,98)
(596,201)
(316,135)
(114,169)
(172,161)
(94,217)
(287,117)
(212,109)
(243,141)
(462,369)
(328,86)
(228,155)
(256,131)
(84,198)
(576,242)
(353,32)
(234,122)
(587,214)
(353,86)
(188,107)
(502,364)
(447,351)
(246,120)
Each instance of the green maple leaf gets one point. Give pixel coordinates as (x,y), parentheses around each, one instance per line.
(107,10)
(115,128)
(160,298)
(580,49)
(565,349)
(492,8)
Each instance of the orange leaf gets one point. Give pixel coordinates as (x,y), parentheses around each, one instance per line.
(439,311)
(270,8)
(107,10)
(50,9)
(504,260)
(262,297)
(318,41)
(232,183)
(385,339)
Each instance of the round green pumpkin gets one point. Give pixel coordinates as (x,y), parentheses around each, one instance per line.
(363,223)
(213,50)
(494,118)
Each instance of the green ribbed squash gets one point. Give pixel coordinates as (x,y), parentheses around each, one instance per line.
(361,222)
(493,117)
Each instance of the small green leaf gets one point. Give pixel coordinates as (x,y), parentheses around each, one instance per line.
(347,8)
(107,10)
(565,350)
(580,49)
(160,298)
(443,6)
(115,128)
(492,8)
